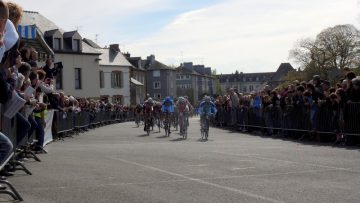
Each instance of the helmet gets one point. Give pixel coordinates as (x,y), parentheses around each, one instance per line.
(168,99)
(207,99)
(150,101)
(181,99)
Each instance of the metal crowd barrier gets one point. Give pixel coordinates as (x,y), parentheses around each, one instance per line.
(65,122)
(322,119)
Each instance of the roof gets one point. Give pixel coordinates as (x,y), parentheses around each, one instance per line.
(282,71)
(135,82)
(43,24)
(157,66)
(50,32)
(136,62)
(91,43)
(70,34)
(277,76)
(112,58)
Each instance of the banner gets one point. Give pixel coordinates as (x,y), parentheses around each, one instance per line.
(48,133)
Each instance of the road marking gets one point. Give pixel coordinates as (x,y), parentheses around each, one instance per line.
(200,181)
(287,161)
(235,169)
(198,165)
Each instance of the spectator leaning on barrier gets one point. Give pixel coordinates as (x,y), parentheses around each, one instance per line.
(7,84)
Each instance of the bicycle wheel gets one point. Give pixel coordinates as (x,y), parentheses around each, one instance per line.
(206,129)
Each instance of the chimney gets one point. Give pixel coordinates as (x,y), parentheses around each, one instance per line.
(114,47)
(127,54)
(151,59)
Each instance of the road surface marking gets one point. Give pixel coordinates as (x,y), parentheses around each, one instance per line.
(287,161)
(200,181)
(235,169)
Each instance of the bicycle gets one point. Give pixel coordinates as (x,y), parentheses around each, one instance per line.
(148,123)
(167,123)
(137,120)
(183,123)
(205,127)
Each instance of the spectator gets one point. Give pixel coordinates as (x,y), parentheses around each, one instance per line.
(7,83)
(15,13)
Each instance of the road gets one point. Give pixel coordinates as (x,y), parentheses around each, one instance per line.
(118,163)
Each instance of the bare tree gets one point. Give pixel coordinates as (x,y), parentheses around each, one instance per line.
(334,47)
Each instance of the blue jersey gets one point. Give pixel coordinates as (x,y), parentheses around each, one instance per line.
(168,107)
(207,109)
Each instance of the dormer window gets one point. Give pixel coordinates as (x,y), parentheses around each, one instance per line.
(57,44)
(76,45)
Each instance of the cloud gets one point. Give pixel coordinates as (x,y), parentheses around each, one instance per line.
(248,35)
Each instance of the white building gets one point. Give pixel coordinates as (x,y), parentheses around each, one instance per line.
(114,75)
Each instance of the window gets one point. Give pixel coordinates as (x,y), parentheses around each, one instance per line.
(188,77)
(59,79)
(76,45)
(116,79)
(257,78)
(244,79)
(77,78)
(250,79)
(178,77)
(156,73)
(157,85)
(57,44)
(244,89)
(251,88)
(101,74)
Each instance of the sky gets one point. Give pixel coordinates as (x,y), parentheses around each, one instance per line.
(228,35)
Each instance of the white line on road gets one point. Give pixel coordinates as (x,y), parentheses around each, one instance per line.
(236,169)
(198,165)
(287,161)
(200,181)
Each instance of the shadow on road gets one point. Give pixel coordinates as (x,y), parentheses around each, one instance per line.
(163,136)
(144,135)
(177,139)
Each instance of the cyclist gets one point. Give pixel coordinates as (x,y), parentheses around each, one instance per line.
(184,108)
(157,114)
(167,109)
(191,108)
(148,114)
(138,111)
(206,110)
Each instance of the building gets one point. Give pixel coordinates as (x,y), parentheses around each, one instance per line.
(80,75)
(194,81)
(137,80)
(113,73)
(32,38)
(253,82)
(160,79)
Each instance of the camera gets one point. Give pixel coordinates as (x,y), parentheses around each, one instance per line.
(58,65)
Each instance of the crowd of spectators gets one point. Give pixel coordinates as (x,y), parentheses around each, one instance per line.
(307,98)
(22,78)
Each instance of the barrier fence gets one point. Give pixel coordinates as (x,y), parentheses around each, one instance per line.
(65,122)
(323,119)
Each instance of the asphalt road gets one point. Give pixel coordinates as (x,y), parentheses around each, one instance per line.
(118,163)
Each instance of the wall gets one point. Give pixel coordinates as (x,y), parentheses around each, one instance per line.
(107,90)
(89,74)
